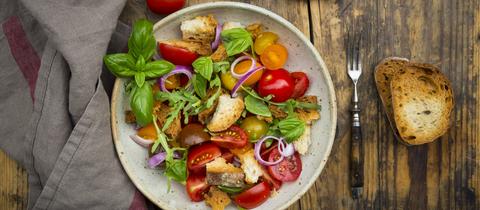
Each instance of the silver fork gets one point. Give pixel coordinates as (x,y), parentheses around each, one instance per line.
(354,68)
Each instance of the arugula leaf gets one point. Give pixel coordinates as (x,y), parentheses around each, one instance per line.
(291,128)
(141,102)
(120,64)
(230,190)
(156,69)
(141,41)
(257,106)
(204,66)
(173,114)
(236,40)
(200,85)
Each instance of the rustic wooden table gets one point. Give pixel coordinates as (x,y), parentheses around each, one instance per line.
(442,175)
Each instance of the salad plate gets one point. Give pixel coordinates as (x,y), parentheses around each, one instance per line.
(302,56)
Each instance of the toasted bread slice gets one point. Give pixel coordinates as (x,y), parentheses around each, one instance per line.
(422,100)
(227,113)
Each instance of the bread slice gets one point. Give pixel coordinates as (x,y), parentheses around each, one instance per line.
(422,100)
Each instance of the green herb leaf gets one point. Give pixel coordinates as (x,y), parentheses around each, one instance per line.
(121,64)
(176,169)
(141,102)
(222,66)
(141,41)
(291,128)
(257,106)
(140,78)
(156,69)
(173,114)
(236,40)
(230,190)
(204,66)
(200,85)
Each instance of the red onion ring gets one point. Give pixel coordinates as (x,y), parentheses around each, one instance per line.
(179,69)
(243,79)
(157,159)
(258,146)
(141,141)
(236,61)
(216,42)
(286,149)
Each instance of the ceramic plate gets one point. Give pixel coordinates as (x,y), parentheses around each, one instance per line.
(302,56)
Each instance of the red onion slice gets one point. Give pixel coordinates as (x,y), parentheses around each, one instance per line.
(179,69)
(157,159)
(243,79)
(285,149)
(216,42)
(258,145)
(141,141)
(236,61)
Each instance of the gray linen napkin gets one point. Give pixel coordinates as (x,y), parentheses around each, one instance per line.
(54,110)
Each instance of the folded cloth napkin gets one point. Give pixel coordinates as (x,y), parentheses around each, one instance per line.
(55,116)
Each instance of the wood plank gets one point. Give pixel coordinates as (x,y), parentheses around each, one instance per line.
(13,184)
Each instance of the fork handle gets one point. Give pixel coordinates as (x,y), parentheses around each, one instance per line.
(356,157)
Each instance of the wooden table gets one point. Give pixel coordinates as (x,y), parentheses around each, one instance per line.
(441,175)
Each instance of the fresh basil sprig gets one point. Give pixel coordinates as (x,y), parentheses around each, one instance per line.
(291,128)
(200,85)
(236,40)
(141,41)
(257,106)
(141,102)
(203,66)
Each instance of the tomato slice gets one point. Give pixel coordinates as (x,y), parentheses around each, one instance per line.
(227,155)
(233,137)
(274,56)
(278,83)
(196,186)
(265,152)
(288,170)
(177,55)
(200,155)
(165,6)
(274,183)
(254,196)
(148,132)
(301,84)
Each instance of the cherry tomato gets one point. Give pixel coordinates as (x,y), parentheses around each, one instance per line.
(200,155)
(148,132)
(301,84)
(254,127)
(265,152)
(192,134)
(279,83)
(275,184)
(254,196)
(288,170)
(264,40)
(177,55)
(196,186)
(243,67)
(165,6)
(233,137)
(274,56)
(227,155)
(228,81)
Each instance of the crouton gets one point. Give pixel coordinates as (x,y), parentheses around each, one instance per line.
(303,142)
(266,119)
(252,169)
(255,29)
(231,24)
(220,54)
(219,172)
(217,199)
(130,117)
(200,29)
(308,115)
(228,111)
(196,47)
(277,112)
(161,111)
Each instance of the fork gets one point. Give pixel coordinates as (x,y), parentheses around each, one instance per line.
(354,68)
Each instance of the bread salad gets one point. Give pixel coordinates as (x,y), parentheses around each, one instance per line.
(216,109)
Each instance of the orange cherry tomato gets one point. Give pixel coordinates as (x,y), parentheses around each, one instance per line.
(148,132)
(264,40)
(243,67)
(274,56)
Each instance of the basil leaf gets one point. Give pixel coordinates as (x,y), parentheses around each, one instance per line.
(141,102)
(176,169)
(156,69)
(141,41)
(204,66)
(200,85)
(121,64)
(291,128)
(230,190)
(236,40)
(257,106)
(222,66)
(140,78)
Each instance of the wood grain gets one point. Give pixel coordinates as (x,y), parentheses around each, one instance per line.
(442,175)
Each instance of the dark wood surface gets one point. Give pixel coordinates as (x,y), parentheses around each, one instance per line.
(444,174)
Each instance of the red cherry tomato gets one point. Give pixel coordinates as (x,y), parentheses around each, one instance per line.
(275,184)
(279,83)
(301,84)
(254,196)
(165,6)
(177,55)
(233,137)
(227,155)
(288,170)
(200,155)
(196,186)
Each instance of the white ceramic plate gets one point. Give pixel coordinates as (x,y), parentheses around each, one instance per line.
(302,56)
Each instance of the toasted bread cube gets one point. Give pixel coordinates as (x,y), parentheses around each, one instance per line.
(217,199)
(228,111)
(231,24)
(200,29)
(303,142)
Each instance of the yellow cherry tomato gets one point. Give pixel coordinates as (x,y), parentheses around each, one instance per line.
(243,67)
(274,57)
(264,40)
(148,132)
(228,81)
